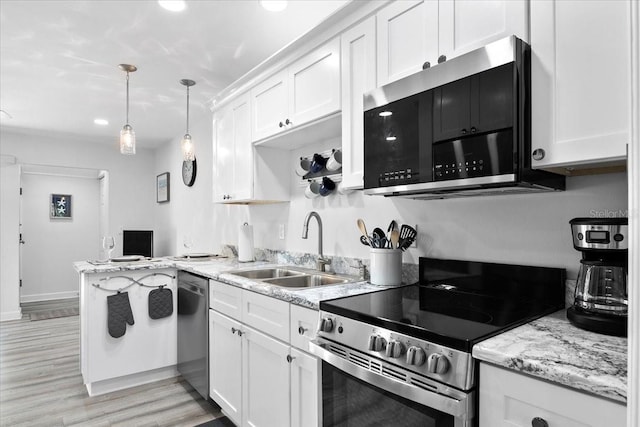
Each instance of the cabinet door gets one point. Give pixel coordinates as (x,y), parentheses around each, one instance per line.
(242,188)
(314,84)
(466,25)
(225,364)
(407,38)
(270,106)
(224,151)
(580,67)
(452,110)
(265,383)
(358,54)
(511,399)
(305,391)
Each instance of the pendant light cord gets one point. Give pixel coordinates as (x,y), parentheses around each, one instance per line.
(127,97)
(187,109)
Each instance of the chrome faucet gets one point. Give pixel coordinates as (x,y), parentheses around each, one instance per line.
(322,261)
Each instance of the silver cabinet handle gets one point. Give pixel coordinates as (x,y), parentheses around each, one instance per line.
(302,330)
(539,422)
(538,154)
(290,358)
(236,331)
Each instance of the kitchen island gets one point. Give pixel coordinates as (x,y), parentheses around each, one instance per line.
(147,350)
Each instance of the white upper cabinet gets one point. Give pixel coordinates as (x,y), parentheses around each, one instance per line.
(581,90)
(306,90)
(314,84)
(233,176)
(358,53)
(244,173)
(467,25)
(407,38)
(270,106)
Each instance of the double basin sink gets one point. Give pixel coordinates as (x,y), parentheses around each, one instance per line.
(292,278)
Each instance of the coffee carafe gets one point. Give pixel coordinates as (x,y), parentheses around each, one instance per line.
(601,296)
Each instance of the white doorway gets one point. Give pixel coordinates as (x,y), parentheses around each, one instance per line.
(51,245)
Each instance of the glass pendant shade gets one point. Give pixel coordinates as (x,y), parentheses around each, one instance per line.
(187,148)
(127,135)
(127,140)
(188,154)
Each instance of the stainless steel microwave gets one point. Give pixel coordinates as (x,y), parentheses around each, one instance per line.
(459,128)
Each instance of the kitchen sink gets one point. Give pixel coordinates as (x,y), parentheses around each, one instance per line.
(267,273)
(292,278)
(306,281)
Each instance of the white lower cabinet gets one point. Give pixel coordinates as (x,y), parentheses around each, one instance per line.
(225,364)
(265,380)
(510,399)
(305,384)
(256,376)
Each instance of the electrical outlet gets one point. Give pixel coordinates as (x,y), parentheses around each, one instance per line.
(281,231)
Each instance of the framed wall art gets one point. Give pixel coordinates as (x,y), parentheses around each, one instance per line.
(162,188)
(60,206)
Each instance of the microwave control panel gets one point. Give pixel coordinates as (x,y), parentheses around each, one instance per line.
(400,177)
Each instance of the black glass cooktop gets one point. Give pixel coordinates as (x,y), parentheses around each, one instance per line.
(459,303)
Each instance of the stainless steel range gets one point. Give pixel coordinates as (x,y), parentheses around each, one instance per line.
(402,356)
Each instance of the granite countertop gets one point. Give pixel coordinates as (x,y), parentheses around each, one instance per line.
(553,349)
(218,269)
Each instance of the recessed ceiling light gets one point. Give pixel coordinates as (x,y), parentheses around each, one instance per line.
(101,122)
(173,5)
(274,5)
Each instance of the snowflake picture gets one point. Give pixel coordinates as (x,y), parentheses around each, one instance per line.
(60,206)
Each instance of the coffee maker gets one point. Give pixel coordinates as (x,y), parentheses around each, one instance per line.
(601,296)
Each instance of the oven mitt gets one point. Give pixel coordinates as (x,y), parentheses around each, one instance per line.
(118,314)
(160,303)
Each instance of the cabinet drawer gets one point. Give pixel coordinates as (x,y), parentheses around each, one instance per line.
(304,323)
(266,314)
(227,299)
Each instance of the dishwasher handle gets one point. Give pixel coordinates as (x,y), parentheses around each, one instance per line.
(191,289)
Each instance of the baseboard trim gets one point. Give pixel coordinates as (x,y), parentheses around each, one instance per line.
(10,315)
(49,297)
(114,384)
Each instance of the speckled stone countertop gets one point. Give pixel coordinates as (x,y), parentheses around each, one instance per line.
(218,269)
(553,349)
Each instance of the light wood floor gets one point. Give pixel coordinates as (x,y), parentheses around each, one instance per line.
(41,385)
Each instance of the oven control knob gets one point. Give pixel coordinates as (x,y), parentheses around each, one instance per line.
(437,364)
(394,349)
(376,343)
(416,356)
(326,325)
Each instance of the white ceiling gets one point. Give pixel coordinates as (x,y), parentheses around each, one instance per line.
(59,60)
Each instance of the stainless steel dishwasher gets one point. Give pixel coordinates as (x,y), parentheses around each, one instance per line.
(193,336)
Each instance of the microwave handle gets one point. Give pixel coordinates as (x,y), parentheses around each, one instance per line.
(457,407)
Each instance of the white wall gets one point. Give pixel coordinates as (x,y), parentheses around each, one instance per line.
(189,210)
(9,236)
(52,245)
(132,179)
(524,229)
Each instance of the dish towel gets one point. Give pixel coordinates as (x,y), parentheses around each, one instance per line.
(118,314)
(160,303)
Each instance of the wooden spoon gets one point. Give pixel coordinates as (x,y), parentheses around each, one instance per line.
(363,230)
(395,237)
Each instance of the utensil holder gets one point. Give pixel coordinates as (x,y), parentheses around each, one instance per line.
(386,267)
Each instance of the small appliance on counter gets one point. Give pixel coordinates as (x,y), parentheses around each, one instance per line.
(601,297)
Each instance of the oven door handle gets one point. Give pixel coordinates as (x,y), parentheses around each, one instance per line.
(459,407)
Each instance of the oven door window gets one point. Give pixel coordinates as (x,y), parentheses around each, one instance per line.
(349,402)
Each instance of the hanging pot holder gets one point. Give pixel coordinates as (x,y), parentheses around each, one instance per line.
(160,303)
(118,314)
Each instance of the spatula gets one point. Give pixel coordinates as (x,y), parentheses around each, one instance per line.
(363,230)
(394,237)
(407,236)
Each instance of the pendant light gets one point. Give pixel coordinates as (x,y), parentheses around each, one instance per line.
(127,135)
(187,144)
